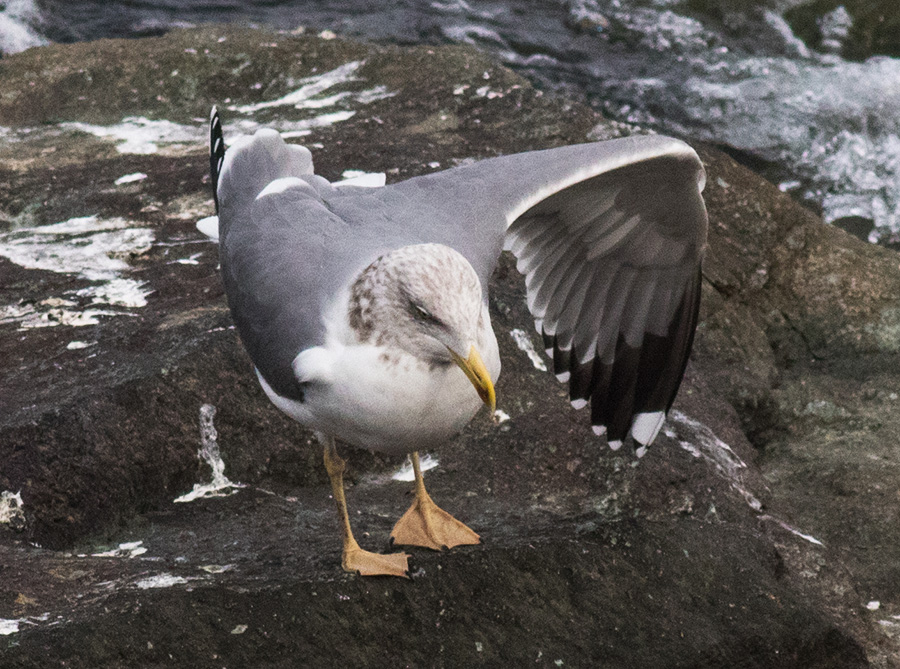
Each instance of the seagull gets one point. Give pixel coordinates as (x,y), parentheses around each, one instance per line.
(364,306)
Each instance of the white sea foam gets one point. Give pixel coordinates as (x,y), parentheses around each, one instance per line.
(220,485)
(88,247)
(8,627)
(17,33)
(701,442)
(130,549)
(11,509)
(160,581)
(142,136)
(310,93)
(406,473)
(130,178)
(835,126)
(523,341)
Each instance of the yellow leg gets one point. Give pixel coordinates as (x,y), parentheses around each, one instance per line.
(354,558)
(426,524)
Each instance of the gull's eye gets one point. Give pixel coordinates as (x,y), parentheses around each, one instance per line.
(420,313)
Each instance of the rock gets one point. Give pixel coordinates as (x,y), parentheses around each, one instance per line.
(747,536)
(857,29)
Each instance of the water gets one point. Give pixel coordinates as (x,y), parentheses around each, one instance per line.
(220,485)
(824,128)
(88,247)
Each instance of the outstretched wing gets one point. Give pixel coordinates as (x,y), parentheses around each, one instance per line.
(610,238)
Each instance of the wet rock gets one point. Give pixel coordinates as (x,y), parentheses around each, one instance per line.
(858,226)
(747,536)
(857,29)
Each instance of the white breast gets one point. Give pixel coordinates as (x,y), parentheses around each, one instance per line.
(383,400)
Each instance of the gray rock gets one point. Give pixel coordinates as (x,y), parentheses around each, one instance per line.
(752,534)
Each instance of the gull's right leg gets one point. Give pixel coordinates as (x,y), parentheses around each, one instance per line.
(354,558)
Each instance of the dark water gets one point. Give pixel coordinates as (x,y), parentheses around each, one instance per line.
(824,128)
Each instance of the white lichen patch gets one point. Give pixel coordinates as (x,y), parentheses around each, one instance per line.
(523,341)
(11,509)
(886,332)
(160,581)
(406,473)
(219,486)
(487,92)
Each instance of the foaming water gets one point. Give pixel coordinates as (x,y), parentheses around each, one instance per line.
(219,485)
(88,247)
(18,26)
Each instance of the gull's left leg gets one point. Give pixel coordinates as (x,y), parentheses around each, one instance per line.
(426,524)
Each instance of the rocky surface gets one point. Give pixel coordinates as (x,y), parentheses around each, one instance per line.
(759,532)
(856,29)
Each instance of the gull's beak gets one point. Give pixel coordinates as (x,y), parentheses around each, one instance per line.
(473,367)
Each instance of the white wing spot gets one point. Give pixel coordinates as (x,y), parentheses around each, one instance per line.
(646,426)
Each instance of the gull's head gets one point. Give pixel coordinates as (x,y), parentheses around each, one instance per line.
(425,300)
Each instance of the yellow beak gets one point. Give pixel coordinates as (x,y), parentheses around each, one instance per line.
(473,367)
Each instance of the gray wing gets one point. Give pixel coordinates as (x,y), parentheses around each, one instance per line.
(290,242)
(282,252)
(610,238)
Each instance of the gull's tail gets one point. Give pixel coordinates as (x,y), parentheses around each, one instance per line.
(216,153)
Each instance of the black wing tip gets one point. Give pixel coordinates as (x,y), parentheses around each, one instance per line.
(216,152)
(639,435)
(631,396)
